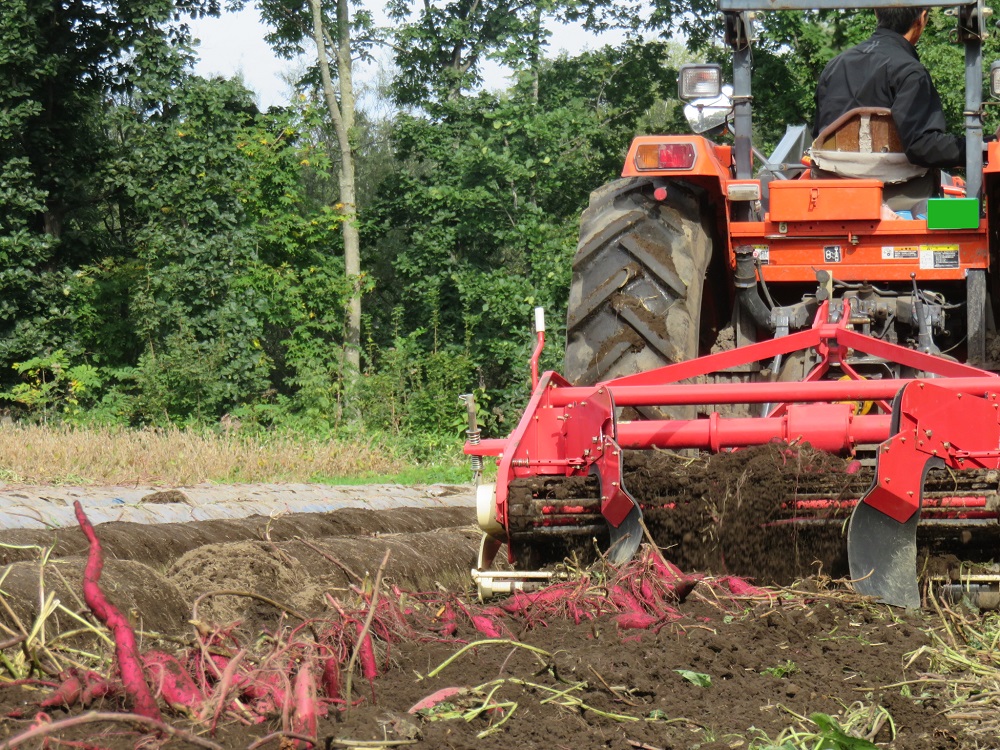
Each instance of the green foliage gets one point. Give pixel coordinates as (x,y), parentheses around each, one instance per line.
(442,45)
(415,391)
(209,280)
(482,226)
(781,670)
(695,678)
(834,736)
(50,385)
(824,732)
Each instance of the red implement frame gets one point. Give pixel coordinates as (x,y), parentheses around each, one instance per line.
(950,416)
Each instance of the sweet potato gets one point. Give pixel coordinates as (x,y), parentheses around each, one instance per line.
(439,696)
(172,682)
(635,620)
(740,587)
(331,679)
(66,695)
(486,626)
(126,652)
(304,713)
(366,655)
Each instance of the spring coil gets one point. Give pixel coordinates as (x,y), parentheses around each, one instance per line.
(476,462)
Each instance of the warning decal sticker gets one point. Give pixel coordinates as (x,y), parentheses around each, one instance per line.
(903,252)
(938,256)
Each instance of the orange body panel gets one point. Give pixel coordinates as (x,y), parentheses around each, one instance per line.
(831,224)
(862,251)
(825,200)
(992,158)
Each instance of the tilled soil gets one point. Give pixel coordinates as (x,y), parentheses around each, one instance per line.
(761,663)
(728,514)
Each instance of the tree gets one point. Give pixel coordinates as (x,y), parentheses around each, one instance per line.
(63,64)
(341,109)
(334,34)
(440,48)
(481,225)
(238,301)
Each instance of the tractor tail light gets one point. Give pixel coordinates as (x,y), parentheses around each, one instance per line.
(665,156)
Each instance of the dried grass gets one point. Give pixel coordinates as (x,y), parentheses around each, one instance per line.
(116,456)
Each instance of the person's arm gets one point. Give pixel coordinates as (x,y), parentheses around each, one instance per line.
(917,113)
(816,100)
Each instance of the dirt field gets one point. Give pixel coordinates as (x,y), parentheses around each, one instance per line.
(631,659)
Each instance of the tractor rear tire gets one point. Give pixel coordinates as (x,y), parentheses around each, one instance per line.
(638,276)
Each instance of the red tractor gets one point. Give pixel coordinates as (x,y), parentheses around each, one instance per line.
(715,306)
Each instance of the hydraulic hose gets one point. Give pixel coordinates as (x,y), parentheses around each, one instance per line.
(747,294)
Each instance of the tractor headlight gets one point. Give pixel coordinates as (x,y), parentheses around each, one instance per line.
(995,79)
(699,82)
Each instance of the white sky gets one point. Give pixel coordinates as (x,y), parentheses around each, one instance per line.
(234,44)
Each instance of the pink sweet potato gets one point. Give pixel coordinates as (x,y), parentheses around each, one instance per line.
(265,685)
(635,620)
(172,682)
(666,570)
(97,687)
(126,652)
(624,600)
(66,695)
(522,601)
(304,713)
(486,626)
(740,587)
(436,697)
(331,679)
(366,655)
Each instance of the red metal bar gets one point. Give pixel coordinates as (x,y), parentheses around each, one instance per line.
(829,427)
(669,394)
(535,356)
(929,503)
(831,340)
(490,447)
(935,426)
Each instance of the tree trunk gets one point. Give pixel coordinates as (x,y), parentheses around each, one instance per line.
(342,114)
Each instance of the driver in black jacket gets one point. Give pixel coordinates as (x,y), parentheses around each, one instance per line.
(884,71)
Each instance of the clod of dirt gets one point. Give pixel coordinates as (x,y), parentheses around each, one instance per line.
(166,496)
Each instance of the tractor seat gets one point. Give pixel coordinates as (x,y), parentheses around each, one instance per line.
(864,144)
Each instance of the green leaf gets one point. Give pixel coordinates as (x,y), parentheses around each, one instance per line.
(441,712)
(695,678)
(782,670)
(834,736)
